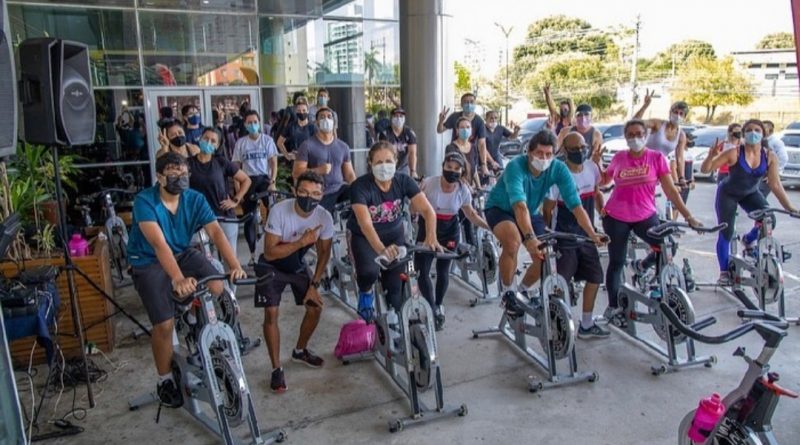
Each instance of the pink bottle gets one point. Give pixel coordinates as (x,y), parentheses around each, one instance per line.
(78,246)
(708,413)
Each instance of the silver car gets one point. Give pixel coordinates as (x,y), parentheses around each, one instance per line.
(790,177)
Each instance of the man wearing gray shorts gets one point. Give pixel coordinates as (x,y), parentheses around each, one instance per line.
(165,217)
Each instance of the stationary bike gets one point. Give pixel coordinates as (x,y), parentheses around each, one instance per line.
(227,303)
(340,281)
(208,370)
(763,274)
(552,323)
(750,406)
(407,347)
(666,285)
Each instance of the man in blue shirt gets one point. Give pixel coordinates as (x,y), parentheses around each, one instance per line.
(513,209)
(165,217)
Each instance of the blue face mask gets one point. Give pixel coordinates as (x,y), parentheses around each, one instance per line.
(752,137)
(206,147)
(469,107)
(194,120)
(464,133)
(253,128)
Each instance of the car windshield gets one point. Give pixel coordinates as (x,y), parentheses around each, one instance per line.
(533,125)
(705,137)
(793,126)
(792,140)
(613,131)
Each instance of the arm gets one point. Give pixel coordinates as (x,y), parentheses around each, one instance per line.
(273,168)
(523,217)
(412,159)
(420,204)
(221,242)
(599,200)
(680,152)
(551,106)
(774,183)
(648,97)
(583,220)
(597,141)
(275,250)
(298,168)
(674,196)
(348,173)
(153,234)
(365,224)
(482,152)
(440,127)
(717,158)
(282,145)
(323,256)
(547,211)
(474,217)
(244,182)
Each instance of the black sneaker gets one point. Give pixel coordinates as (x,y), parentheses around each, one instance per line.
(512,305)
(438,318)
(308,358)
(169,394)
(593,332)
(278,381)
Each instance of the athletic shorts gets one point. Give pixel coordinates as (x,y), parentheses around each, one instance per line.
(269,293)
(155,286)
(495,216)
(581,263)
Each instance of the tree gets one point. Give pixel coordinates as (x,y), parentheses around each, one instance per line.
(495,98)
(778,40)
(561,34)
(463,79)
(677,55)
(710,83)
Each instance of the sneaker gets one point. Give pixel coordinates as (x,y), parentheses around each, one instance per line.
(593,332)
(725,279)
(438,318)
(512,305)
(638,267)
(366,306)
(308,358)
(608,314)
(169,394)
(278,381)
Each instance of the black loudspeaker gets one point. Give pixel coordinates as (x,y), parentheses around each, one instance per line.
(56,92)
(8,90)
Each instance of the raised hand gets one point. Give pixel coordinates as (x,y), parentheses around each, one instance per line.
(443,114)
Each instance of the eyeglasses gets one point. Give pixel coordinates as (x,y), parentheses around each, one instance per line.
(305,194)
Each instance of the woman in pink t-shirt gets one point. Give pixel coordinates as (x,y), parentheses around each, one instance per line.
(632,205)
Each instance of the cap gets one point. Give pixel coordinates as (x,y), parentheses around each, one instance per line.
(399,110)
(583,108)
(455,157)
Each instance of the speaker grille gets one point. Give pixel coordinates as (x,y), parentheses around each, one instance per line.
(8,94)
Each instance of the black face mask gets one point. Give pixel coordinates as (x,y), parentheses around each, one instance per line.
(564,113)
(302,116)
(307,204)
(737,134)
(176,184)
(451,176)
(178,141)
(576,157)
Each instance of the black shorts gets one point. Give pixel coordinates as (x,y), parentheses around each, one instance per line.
(269,293)
(581,262)
(495,216)
(155,286)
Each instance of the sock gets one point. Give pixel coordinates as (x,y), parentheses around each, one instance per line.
(586,320)
(277,369)
(298,351)
(164,378)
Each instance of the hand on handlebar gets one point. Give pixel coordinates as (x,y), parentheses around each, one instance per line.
(238,274)
(433,244)
(184,287)
(532,246)
(390,252)
(227,204)
(694,222)
(600,239)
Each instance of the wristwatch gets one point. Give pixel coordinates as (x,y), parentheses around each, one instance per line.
(315,284)
(529,237)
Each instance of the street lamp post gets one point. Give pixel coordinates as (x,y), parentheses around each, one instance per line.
(506,32)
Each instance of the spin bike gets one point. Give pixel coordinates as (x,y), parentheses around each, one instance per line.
(407,347)
(667,285)
(750,406)
(227,303)
(482,263)
(553,327)
(340,281)
(764,273)
(209,370)
(114,227)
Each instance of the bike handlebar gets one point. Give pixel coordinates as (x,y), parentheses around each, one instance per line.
(552,236)
(719,339)
(669,227)
(405,254)
(760,214)
(275,193)
(239,220)
(200,286)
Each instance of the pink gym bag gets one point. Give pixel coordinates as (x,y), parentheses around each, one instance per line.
(355,337)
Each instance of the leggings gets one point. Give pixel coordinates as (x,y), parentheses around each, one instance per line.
(260,184)
(619,232)
(726,212)
(423,263)
(367,271)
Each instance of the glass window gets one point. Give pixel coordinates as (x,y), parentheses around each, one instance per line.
(298,7)
(121,3)
(286,47)
(338,56)
(381,53)
(110,35)
(368,9)
(771,76)
(198,49)
(201,5)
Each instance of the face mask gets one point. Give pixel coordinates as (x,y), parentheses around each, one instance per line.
(177,184)
(541,164)
(302,116)
(451,176)
(253,128)
(636,144)
(398,122)
(576,157)
(583,121)
(469,107)
(307,204)
(323,101)
(206,147)
(564,112)
(384,172)
(326,125)
(464,133)
(370,120)
(492,125)
(194,120)
(675,118)
(752,137)
(178,141)
(737,134)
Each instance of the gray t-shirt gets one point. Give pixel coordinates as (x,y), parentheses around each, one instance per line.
(317,154)
(254,155)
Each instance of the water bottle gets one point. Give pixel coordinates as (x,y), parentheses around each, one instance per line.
(655,292)
(708,413)
(688,276)
(78,246)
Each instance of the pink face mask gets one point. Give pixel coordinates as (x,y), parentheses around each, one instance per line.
(583,121)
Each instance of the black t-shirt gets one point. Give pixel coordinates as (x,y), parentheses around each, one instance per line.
(295,134)
(478,126)
(385,208)
(407,137)
(210,179)
(383,125)
(493,140)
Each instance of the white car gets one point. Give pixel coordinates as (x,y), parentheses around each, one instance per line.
(790,177)
(613,147)
(704,138)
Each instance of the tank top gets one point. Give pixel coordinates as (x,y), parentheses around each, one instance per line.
(743,180)
(588,137)
(658,141)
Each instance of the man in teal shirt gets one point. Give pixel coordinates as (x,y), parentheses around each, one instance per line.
(513,209)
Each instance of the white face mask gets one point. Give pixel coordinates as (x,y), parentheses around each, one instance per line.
(492,125)
(675,118)
(385,171)
(541,164)
(636,144)
(398,122)
(326,125)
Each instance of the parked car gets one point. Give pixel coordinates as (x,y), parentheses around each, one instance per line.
(704,139)
(527,129)
(793,126)
(611,131)
(790,177)
(613,147)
